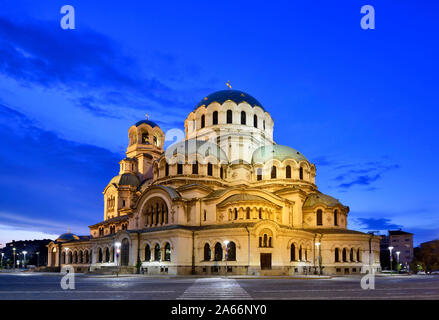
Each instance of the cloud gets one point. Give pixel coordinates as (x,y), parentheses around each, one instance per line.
(377,224)
(59,180)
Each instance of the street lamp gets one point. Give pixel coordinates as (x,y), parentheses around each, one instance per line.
(24,259)
(391,259)
(3,254)
(38,259)
(117,245)
(318,256)
(397,259)
(13,254)
(226,242)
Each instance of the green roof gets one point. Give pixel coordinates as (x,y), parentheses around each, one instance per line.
(316,198)
(126,179)
(265,153)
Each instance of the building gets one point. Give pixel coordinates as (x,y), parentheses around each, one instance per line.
(401,242)
(36,252)
(225,199)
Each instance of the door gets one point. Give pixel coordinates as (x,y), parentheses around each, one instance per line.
(265,261)
(125,252)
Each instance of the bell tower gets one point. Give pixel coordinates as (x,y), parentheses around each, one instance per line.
(146,141)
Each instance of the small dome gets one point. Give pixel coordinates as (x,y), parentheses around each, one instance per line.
(320,198)
(233,95)
(276,151)
(67,237)
(126,179)
(193,146)
(150,123)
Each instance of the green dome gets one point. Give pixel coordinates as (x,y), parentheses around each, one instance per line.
(320,198)
(126,179)
(276,151)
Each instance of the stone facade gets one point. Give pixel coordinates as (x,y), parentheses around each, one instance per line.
(225,200)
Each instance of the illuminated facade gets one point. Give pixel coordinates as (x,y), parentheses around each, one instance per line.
(225,199)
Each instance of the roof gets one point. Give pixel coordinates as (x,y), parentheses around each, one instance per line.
(236,96)
(242,197)
(112,220)
(148,122)
(335,231)
(194,146)
(398,233)
(126,179)
(276,151)
(318,198)
(67,237)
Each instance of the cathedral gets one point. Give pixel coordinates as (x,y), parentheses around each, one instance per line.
(225,200)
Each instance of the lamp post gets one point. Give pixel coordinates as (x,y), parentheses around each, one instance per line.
(318,256)
(391,259)
(13,254)
(397,260)
(117,245)
(3,254)
(38,259)
(24,259)
(226,242)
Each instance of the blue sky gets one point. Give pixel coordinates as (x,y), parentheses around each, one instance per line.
(360,104)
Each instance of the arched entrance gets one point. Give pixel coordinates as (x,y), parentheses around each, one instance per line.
(125,252)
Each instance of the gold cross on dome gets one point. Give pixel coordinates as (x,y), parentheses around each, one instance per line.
(228,84)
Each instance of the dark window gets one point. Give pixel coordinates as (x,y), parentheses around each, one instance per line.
(221,172)
(260,241)
(293,252)
(344,255)
(288,172)
(273,172)
(301,173)
(100,255)
(147,253)
(229,116)
(236,214)
(195,168)
(335,218)
(351,255)
(179,168)
(243,117)
(255,121)
(300,253)
(203,121)
(231,251)
(107,255)
(123,203)
(263,124)
(207,252)
(157,252)
(218,252)
(319,217)
(166,169)
(167,252)
(209,169)
(259,174)
(337,255)
(145,138)
(358,255)
(247,215)
(215,117)
(260,213)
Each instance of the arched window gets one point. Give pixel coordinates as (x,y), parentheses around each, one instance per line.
(70,257)
(145,138)
(221,172)
(229,116)
(293,252)
(319,217)
(236,213)
(195,168)
(100,255)
(166,169)
(231,251)
(288,172)
(255,121)
(337,255)
(167,252)
(265,240)
(179,168)
(351,255)
(203,121)
(301,173)
(300,253)
(87,257)
(259,174)
(107,255)
(209,169)
(63,258)
(215,117)
(263,124)
(335,217)
(344,255)
(207,252)
(243,117)
(260,213)
(247,214)
(147,253)
(358,255)
(157,252)
(218,252)
(306,254)
(273,172)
